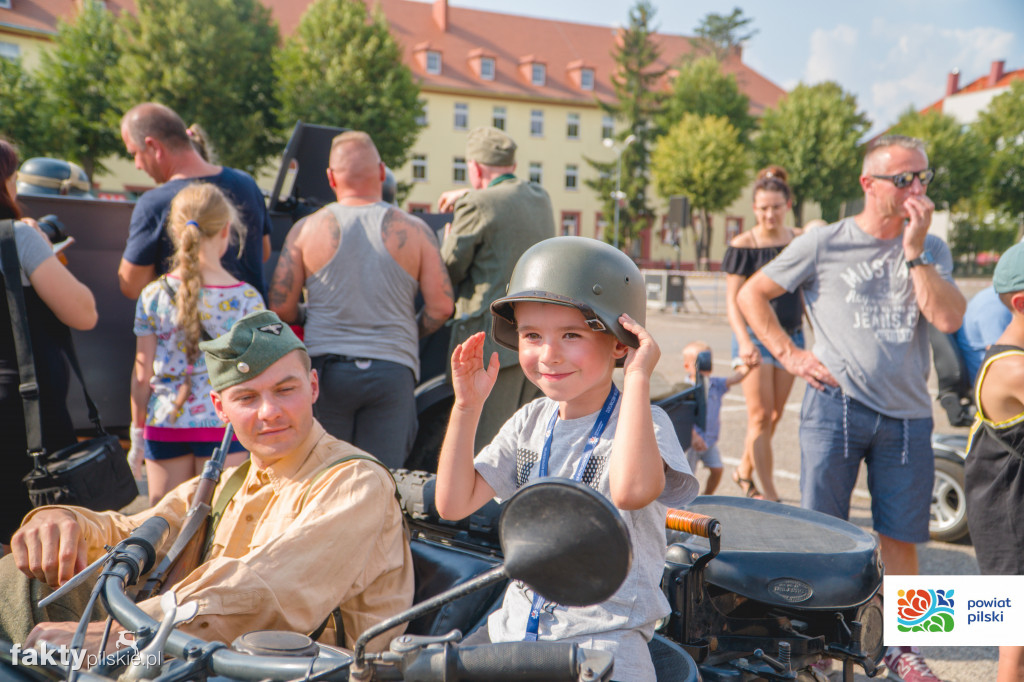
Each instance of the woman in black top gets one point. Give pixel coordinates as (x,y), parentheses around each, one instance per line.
(768,388)
(54,301)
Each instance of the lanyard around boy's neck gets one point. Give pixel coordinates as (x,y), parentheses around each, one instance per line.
(600,424)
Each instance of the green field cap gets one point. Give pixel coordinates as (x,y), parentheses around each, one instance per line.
(257,341)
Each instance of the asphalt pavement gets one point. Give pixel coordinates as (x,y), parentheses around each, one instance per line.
(674,329)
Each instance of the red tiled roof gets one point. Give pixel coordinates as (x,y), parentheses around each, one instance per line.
(507,37)
(978,85)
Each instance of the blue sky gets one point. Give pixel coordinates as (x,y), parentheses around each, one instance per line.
(891,54)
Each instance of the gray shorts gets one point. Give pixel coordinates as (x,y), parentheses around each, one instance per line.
(711,457)
(836,433)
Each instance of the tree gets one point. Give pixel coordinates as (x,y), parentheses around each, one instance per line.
(212,62)
(814,134)
(1001,130)
(954,153)
(720,34)
(701,88)
(342,68)
(76,76)
(637,102)
(704,159)
(24,119)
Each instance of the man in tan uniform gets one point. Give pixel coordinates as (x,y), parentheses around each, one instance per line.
(302,534)
(493,225)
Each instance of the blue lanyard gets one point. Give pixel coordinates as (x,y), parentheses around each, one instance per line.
(603,417)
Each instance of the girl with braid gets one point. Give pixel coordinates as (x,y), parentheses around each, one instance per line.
(173,421)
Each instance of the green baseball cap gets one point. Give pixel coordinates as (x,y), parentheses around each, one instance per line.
(1009,274)
(253,344)
(490,147)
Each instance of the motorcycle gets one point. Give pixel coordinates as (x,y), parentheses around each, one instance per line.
(583,559)
(758,590)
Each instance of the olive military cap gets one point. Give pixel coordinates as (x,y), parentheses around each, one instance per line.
(490,147)
(257,341)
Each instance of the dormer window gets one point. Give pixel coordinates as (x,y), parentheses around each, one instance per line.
(586,79)
(538,74)
(487,68)
(433,62)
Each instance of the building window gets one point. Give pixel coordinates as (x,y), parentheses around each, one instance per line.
(538,74)
(536,172)
(536,123)
(419,167)
(572,176)
(421,120)
(498,118)
(461,115)
(419,208)
(733,227)
(570,224)
(572,127)
(459,170)
(487,68)
(9,50)
(600,225)
(433,62)
(586,79)
(607,127)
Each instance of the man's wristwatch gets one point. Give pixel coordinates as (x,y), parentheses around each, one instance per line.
(926,258)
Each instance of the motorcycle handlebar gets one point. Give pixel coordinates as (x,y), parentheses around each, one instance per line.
(149,537)
(692,523)
(523,661)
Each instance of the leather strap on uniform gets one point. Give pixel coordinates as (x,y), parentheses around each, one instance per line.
(231,486)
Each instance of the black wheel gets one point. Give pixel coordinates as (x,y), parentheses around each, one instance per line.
(433,423)
(949,504)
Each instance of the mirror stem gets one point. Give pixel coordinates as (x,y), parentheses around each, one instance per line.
(483,580)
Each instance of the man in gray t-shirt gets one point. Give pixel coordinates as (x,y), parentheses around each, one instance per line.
(871,284)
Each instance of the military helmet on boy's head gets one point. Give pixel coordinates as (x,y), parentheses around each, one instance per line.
(589,275)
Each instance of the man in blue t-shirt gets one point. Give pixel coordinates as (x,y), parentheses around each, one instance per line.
(157,139)
(984,322)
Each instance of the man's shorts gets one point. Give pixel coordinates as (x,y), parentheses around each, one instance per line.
(797,336)
(711,457)
(162,449)
(836,433)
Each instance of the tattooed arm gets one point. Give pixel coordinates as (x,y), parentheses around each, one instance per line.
(291,270)
(414,246)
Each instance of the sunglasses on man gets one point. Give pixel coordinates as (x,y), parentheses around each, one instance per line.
(905,179)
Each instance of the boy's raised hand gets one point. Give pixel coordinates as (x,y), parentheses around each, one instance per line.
(470,379)
(644,358)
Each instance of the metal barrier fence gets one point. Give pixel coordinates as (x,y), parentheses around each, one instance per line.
(686,290)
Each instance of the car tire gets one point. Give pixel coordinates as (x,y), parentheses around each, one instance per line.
(948,521)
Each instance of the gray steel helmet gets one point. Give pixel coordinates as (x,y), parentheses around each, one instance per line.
(52,177)
(390,187)
(579,272)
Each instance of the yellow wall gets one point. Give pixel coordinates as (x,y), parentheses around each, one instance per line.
(29,47)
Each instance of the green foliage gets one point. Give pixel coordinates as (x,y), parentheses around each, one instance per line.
(637,102)
(955,153)
(341,69)
(701,88)
(718,34)
(76,76)
(24,119)
(212,62)
(813,133)
(1001,130)
(971,235)
(704,159)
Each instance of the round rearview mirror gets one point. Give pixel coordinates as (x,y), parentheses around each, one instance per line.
(566,541)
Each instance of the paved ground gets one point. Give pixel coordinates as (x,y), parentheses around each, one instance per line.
(674,330)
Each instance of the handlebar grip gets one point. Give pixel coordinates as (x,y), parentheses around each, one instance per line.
(692,523)
(521,661)
(149,537)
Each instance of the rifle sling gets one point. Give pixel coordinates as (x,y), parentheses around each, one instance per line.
(232,486)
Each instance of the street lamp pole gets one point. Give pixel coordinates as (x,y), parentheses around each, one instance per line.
(618,195)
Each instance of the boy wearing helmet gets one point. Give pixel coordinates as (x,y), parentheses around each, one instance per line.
(574,311)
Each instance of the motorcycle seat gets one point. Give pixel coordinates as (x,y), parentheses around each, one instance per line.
(439,567)
(784,555)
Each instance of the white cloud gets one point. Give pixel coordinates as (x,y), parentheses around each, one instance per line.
(832,54)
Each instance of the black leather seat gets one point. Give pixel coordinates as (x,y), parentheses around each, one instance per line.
(439,567)
(956,395)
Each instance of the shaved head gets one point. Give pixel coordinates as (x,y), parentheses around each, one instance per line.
(354,159)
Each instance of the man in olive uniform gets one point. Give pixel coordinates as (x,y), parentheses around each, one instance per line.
(494,223)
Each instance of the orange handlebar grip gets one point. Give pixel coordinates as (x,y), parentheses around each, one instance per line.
(689,522)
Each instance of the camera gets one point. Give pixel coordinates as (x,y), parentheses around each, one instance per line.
(53,228)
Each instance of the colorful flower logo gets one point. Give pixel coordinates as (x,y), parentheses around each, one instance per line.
(924,611)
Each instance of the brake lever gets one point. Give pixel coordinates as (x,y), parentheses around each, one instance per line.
(406,643)
(77,579)
(147,663)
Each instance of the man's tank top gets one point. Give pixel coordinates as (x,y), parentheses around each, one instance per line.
(361,304)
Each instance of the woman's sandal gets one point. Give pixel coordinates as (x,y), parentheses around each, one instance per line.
(747,486)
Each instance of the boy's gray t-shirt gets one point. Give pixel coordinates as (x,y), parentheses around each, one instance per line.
(868,329)
(624,623)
